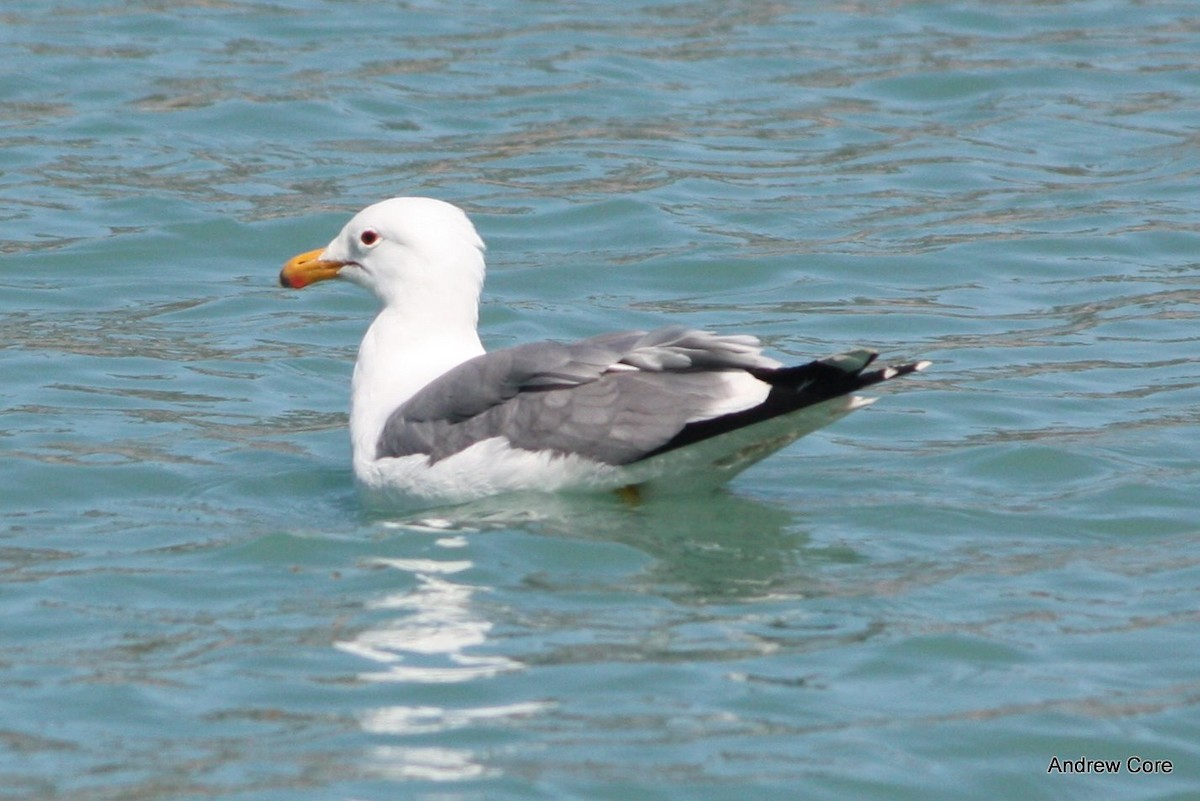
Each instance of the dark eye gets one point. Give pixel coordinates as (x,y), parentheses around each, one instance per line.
(368,237)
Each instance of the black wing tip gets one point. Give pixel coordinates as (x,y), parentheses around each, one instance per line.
(840,374)
(894,371)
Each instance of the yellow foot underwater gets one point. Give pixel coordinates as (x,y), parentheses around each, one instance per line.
(630,493)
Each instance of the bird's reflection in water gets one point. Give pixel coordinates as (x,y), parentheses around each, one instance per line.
(438,627)
(434,627)
(706,547)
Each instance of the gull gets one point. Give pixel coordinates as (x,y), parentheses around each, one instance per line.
(434,417)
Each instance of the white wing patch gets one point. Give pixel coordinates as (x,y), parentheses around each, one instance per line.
(743,391)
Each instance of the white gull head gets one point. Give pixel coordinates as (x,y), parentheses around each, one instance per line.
(409,245)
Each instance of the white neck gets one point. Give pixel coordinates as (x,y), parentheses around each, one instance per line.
(410,343)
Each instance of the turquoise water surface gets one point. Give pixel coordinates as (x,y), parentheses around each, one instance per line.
(993,571)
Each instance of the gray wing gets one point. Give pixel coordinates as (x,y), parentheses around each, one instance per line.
(612,398)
